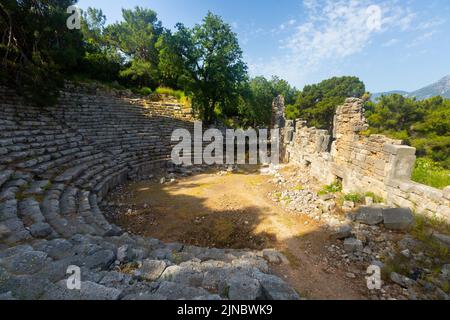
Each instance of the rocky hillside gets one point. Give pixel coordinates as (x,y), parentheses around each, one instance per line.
(440,88)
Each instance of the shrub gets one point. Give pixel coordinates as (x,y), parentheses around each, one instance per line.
(171,92)
(361,197)
(145,91)
(354,197)
(332,188)
(376,199)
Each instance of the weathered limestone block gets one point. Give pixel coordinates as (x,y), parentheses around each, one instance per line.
(278,119)
(446,193)
(398,218)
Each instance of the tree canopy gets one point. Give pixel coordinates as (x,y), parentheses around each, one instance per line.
(317,103)
(36,47)
(424,124)
(211,64)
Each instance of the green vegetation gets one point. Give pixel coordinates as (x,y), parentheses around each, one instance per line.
(431,173)
(424,124)
(332,188)
(201,66)
(422,231)
(317,103)
(255,105)
(170,92)
(36,47)
(359,198)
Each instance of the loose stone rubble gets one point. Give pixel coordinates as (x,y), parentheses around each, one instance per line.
(368,235)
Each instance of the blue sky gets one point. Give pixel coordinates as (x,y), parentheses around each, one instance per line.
(389,44)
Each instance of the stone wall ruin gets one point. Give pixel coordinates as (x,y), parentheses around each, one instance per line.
(363,163)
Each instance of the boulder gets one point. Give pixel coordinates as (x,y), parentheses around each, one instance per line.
(342,232)
(151,270)
(275,257)
(176,291)
(400,219)
(352,245)
(369,215)
(443,239)
(40,230)
(401,280)
(276,289)
(242,287)
(25,262)
(89,291)
(100,260)
(445,271)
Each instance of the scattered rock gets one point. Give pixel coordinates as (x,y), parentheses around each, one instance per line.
(99,260)
(406,253)
(4,231)
(352,245)
(445,271)
(25,262)
(275,289)
(326,197)
(368,201)
(89,291)
(348,205)
(442,239)
(401,280)
(369,215)
(398,219)
(40,230)
(151,270)
(275,257)
(342,232)
(242,287)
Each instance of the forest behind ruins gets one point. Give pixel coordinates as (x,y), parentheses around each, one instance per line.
(202,66)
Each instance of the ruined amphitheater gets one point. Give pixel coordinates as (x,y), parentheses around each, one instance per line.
(58,165)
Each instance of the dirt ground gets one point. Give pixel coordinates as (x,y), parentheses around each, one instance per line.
(233,211)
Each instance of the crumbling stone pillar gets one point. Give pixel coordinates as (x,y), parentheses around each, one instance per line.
(401,162)
(279,122)
(278,119)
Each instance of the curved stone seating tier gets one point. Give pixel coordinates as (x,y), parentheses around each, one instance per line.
(58,163)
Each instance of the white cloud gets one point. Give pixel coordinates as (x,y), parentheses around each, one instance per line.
(422,38)
(390,43)
(291,22)
(332,31)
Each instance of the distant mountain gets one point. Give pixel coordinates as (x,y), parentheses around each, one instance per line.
(440,88)
(379,94)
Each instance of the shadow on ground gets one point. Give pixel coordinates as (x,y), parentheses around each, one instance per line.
(224,210)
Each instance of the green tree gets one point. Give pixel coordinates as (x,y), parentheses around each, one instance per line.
(170,63)
(136,37)
(37,48)
(283,87)
(213,69)
(394,112)
(424,125)
(317,103)
(256,106)
(102,61)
